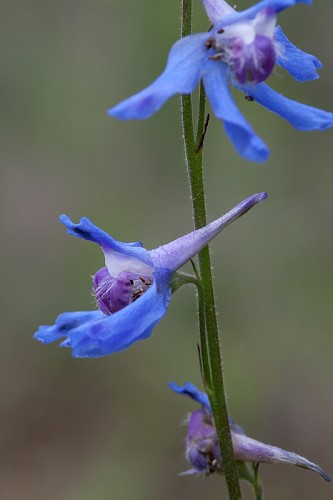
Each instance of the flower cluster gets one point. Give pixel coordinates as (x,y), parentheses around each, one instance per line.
(132,290)
(134,287)
(242,49)
(203,451)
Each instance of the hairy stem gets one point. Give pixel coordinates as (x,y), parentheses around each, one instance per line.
(210,345)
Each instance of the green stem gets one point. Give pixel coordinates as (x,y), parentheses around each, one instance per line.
(204,353)
(256,482)
(215,384)
(251,477)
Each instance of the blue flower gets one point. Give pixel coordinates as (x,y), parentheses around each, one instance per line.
(132,290)
(242,48)
(203,452)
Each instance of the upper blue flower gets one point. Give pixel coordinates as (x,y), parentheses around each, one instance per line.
(133,290)
(242,48)
(203,452)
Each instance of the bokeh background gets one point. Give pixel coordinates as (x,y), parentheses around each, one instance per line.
(110,428)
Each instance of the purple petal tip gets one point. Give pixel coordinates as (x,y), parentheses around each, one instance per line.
(261,197)
(250,202)
(324,475)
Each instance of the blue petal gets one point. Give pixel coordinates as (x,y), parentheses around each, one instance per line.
(92,334)
(241,134)
(181,75)
(189,389)
(301,116)
(251,12)
(237,429)
(217,10)
(299,64)
(87,230)
(65,323)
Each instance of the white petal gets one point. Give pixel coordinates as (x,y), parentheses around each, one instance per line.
(264,23)
(117,262)
(245,31)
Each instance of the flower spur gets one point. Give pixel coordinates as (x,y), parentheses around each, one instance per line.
(132,290)
(242,48)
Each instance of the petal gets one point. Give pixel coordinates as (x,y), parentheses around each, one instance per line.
(251,12)
(241,134)
(189,389)
(301,116)
(265,21)
(119,256)
(66,322)
(250,450)
(190,472)
(117,262)
(299,64)
(200,424)
(181,75)
(88,231)
(237,429)
(173,255)
(263,24)
(92,334)
(217,10)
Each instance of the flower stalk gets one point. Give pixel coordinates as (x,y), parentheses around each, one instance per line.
(210,346)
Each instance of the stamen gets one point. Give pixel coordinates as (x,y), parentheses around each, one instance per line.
(210,43)
(218,56)
(139,287)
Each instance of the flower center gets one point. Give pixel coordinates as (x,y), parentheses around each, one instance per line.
(247,47)
(113,294)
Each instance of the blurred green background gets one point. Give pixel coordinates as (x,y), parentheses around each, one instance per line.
(110,428)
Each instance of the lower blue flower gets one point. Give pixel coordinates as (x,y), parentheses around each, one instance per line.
(132,290)
(202,449)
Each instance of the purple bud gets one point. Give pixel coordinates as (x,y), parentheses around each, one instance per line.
(202,450)
(113,294)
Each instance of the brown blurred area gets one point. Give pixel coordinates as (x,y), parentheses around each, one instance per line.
(111,428)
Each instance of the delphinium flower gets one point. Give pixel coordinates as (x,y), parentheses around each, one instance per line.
(242,49)
(202,449)
(132,290)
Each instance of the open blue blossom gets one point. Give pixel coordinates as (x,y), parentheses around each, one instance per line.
(242,48)
(203,452)
(132,290)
